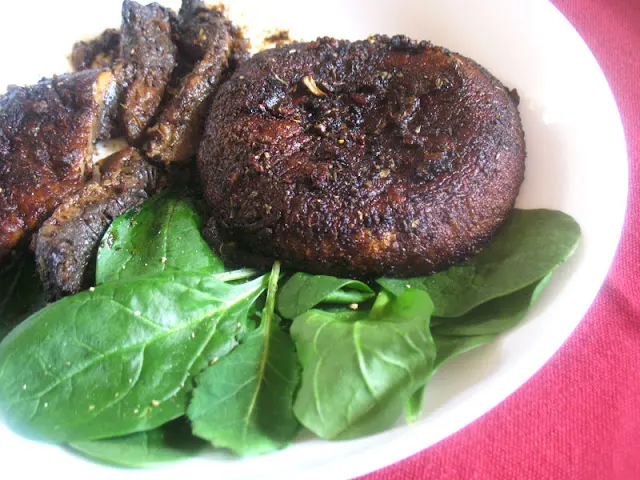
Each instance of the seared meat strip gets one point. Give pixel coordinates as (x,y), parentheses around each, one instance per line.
(67,242)
(377,157)
(147,58)
(100,52)
(47,132)
(208,38)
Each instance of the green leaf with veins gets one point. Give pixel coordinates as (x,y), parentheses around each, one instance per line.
(163,235)
(170,443)
(450,346)
(530,245)
(21,292)
(495,316)
(244,401)
(359,364)
(447,348)
(304,291)
(455,336)
(116,360)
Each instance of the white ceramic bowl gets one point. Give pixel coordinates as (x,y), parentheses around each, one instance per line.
(576,163)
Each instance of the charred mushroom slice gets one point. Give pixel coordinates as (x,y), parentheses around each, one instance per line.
(147,58)
(208,38)
(100,52)
(67,242)
(47,132)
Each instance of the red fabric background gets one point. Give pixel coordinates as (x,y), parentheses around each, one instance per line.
(579,417)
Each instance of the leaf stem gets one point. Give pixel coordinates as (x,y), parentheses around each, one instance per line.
(240,274)
(270,304)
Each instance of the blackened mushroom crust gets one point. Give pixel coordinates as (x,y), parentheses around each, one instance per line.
(210,39)
(47,132)
(67,242)
(147,58)
(377,157)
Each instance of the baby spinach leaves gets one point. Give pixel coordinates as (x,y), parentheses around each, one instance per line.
(115,360)
(452,346)
(455,336)
(169,332)
(163,235)
(244,401)
(357,363)
(447,348)
(494,316)
(493,291)
(304,291)
(170,443)
(530,245)
(21,292)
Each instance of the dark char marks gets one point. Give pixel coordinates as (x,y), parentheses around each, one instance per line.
(68,241)
(377,157)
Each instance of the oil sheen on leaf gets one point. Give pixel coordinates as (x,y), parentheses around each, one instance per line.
(116,360)
(358,363)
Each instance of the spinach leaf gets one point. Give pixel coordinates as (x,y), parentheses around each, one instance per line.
(480,326)
(244,401)
(115,360)
(381,417)
(173,442)
(531,244)
(21,292)
(447,348)
(450,346)
(358,363)
(229,333)
(304,291)
(495,316)
(413,405)
(163,235)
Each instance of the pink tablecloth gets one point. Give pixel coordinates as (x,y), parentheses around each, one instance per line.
(579,417)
